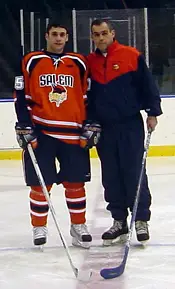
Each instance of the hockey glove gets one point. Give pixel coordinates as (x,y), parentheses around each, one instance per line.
(90,135)
(25,135)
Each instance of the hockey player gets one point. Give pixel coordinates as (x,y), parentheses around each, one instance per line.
(121,86)
(50,94)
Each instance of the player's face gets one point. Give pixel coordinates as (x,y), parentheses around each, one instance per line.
(102,36)
(56,39)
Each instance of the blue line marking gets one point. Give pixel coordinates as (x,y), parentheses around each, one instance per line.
(162,96)
(7,100)
(167,96)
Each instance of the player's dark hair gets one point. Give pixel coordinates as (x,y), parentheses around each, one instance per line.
(55,24)
(98,22)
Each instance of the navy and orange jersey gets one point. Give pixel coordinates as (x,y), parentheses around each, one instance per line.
(50,93)
(121,85)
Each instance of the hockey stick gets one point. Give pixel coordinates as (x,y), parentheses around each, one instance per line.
(78,275)
(109,273)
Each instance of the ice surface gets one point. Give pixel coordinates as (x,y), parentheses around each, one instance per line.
(24,267)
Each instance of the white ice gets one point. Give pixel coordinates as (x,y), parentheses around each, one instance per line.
(24,267)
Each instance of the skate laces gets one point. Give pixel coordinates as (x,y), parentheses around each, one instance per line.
(141,226)
(40,231)
(116,226)
(81,229)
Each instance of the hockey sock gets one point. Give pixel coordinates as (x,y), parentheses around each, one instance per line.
(38,206)
(76,201)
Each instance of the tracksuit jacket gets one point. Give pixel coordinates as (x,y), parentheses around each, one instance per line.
(121,85)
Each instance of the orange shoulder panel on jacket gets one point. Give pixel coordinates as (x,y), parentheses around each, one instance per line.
(120,60)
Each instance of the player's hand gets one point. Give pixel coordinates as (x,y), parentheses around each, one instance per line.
(90,135)
(25,135)
(151,122)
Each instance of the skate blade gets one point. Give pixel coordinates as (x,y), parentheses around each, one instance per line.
(143,243)
(77,243)
(119,240)
(41,248)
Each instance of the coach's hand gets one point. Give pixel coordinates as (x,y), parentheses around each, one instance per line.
(151,122)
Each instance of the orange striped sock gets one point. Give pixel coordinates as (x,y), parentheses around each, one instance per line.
(76,202)
(38,206)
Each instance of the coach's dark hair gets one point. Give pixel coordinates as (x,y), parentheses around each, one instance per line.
(99,21)
(55,24)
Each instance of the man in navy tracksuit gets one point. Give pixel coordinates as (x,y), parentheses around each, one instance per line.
(121,86)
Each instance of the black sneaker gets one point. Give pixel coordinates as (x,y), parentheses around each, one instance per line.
(118,231)
(142,231)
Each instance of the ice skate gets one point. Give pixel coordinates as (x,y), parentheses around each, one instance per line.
(142,231)
(117,233)
(80,236)
(39,235)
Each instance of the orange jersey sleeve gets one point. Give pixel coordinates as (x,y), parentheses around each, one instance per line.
(21,84)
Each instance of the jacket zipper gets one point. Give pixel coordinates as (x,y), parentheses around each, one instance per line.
(105,69)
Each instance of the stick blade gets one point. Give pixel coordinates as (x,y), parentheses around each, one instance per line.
(110,273)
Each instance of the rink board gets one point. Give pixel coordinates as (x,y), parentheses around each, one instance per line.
(154,151)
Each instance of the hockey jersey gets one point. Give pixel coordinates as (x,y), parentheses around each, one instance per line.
(50,93)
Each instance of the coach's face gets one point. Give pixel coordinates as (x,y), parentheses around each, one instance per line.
(102,36)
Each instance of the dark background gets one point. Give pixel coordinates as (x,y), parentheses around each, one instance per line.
(10,26)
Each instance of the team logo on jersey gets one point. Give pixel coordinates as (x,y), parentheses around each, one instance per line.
(115,66)
(58,94)
(61,79)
